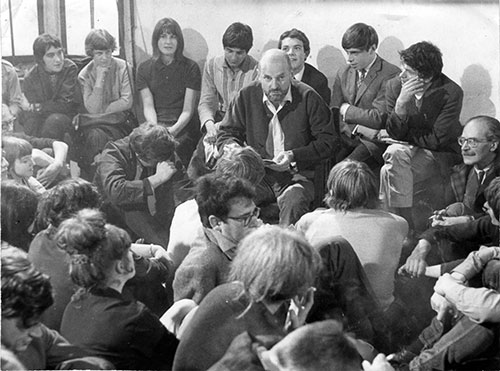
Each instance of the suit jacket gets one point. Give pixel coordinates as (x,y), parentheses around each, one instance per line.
(306,124)
(368,105)
(458,182)
(436,124)
(316,80)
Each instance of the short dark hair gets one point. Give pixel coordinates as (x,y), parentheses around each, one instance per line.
(64,200)
(360,36)
(296,34)
(15,148)
(318,346)
(93,246)
(152,142)
(238,35)
(19,205)
(492,195)
(425,58)
(351,184)
(213,194)
(26,293)
(43,43)
(168,25)
(99,39)
(243,162)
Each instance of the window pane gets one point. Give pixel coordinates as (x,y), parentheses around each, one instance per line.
(25,20)
(77,25)
(106,16)
(78,22)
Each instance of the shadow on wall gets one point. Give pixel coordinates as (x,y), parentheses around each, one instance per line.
(330,59)
(270,44)
(389,49)
(476,84)
(195,46)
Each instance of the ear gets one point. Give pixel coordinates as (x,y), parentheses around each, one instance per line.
(214,222)
(119,266)
(493,146)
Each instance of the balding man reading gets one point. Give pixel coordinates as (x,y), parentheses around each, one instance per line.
(289,125)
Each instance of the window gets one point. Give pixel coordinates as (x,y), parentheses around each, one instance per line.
(22,21)
(19,26)
(82,16)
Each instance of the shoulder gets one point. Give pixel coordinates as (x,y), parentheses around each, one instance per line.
(307,219)
(146,66)
(387,67)
(188,64)
(70,65)
(313,71)
(32,72)
(451,86)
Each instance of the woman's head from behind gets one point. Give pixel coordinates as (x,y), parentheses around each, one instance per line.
(275,264)
(64,200)
(19,205)
(100,252)
(351,185)
(168,39)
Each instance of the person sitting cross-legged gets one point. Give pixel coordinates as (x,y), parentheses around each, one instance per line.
(289,125)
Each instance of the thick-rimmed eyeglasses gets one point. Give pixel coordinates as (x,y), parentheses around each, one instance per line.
(471,142)
(247,218)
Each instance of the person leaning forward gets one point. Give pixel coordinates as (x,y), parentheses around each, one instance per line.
(289,125)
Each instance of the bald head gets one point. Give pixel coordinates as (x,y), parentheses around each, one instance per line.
(275,75)
(274,56)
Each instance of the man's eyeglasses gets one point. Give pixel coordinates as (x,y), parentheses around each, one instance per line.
(471,142)
(247,218)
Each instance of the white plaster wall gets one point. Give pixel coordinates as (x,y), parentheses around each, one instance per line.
(467,34)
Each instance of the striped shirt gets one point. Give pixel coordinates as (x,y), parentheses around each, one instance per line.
(220,84)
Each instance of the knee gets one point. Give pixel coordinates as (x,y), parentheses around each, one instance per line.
(295,195)
(397,153)
(56,125)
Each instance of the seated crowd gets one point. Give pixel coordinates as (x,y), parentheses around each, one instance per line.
(197,240)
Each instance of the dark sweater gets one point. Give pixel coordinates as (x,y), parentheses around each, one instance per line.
(306,124)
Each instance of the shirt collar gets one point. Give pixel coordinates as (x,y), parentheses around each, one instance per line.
(224,243)
(245,66)
(367,68)
(298,76)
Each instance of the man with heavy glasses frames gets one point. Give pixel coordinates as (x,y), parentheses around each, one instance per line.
(479,147)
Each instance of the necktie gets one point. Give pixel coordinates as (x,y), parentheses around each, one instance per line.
(361,77)
(480,176)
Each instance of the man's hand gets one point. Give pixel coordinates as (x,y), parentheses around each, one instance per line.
(212,128)
(379,363)
(441,306)
(446,221)
(48,175)
(299,309)
(409,88)
(164,171)
(283,161)
(446,280)
(491,275)
(415,264)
